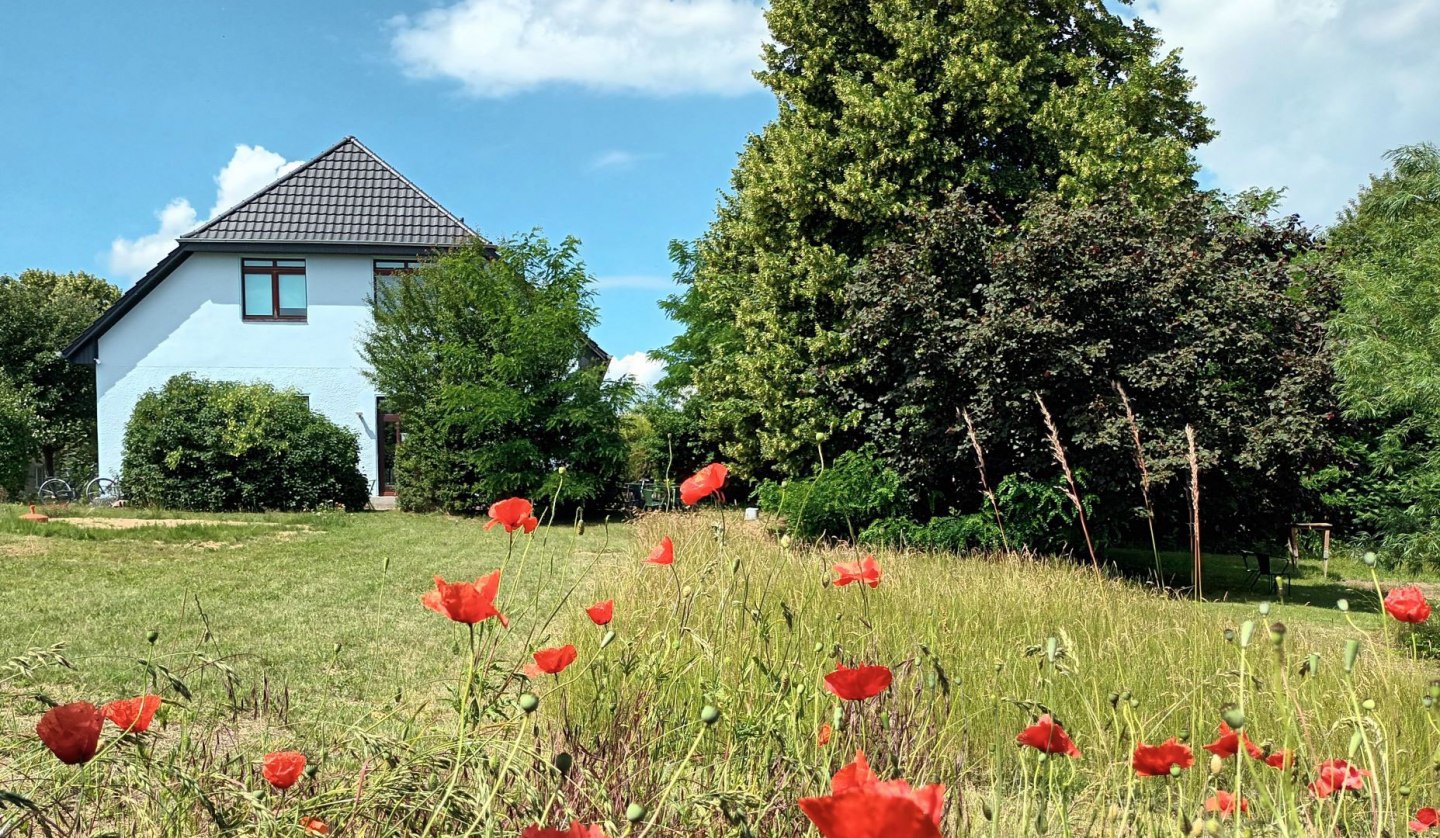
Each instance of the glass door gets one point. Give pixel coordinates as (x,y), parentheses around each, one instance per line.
(388,438)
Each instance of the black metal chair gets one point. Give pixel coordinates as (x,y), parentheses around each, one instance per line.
(1259,565)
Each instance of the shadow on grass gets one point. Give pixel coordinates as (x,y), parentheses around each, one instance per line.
(1227,580)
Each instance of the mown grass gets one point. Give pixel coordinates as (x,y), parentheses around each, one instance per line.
(978,645)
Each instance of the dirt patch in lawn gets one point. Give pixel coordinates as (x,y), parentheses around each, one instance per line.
(28,546)
(136,523)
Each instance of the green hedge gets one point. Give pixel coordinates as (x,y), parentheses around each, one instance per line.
(219,446)
(18,447)
(839,501)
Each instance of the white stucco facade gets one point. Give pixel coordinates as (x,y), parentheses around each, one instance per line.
(191,322)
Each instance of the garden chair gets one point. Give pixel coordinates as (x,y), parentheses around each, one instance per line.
(1259,565)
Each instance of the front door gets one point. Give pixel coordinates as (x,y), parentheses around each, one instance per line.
(388,438)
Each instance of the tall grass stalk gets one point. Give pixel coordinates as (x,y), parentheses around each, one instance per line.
(1073,489)
(1144,468)
(984,480)
(1197,570)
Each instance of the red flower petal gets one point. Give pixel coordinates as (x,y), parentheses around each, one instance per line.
(704,483)
(1407,604)
(555,660)
(861,806)
(133,714)
(464,602)
(601,612)
(282,769)
(1048,737)
(1155,760)
(512,514)
(1223,802)
(576,830)
(71,731)
(866,570)
(822,737)
(663,554)
(314,826)
(859,683)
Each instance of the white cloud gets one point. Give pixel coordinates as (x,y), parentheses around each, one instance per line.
(658,47)
(1307,94)
(646,370)
(617,159)
(637,282)
(249,169)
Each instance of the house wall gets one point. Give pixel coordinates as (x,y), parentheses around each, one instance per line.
(191,322)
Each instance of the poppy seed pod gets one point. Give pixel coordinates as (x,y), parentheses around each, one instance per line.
(1233,716)
(1175,770)
(1216,764)
(1113,698)
(1342,604)
(529,702)
(1265,609)
(562,762)
(1369,558)
(634,813)
(709,714)
(1368,704)
(1277,633)
(1229,635)
(1404,791)
(1352,653)
(152,636)
(560,471)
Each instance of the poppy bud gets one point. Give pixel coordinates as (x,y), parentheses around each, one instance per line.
(1125,695)
(1113,698)
(785,542)
(709,714)
(560,471)
(1134,702)
(1342,604)
(1216,764)
(311,769)
(1314,663)
(1212,826)
(1435,689)
(1369,558)
(1404,791)
(1184,735)
(1356,740)
(1427,702)
(580,527)
(1247,630)
(1277,633)
(1229,635)
(1233,716)
(1368,704)
(529,702)
(1174,770)
(152,636)
(634,813)
(1265,609)
(1352,652)
(1051,647)
(985,810)
(607,639)
(562,763)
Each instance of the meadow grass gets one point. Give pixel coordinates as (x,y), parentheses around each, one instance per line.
(979,646)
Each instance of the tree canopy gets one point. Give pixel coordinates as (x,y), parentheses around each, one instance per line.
(883,108)
(40,313)
(483,353)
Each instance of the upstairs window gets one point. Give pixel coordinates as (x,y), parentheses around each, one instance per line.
(386,268)
(273,289)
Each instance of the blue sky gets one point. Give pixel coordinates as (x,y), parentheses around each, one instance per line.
(616,121)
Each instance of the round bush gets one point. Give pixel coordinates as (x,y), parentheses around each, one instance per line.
(219,446)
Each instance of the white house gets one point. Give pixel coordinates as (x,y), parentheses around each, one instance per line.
(275,290)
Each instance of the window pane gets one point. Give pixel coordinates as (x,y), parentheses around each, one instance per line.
(257,296)
(258,263)
(291,263)
(292,295)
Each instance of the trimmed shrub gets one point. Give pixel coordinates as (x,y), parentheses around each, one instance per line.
(219,446)
(839,501)
(18,446)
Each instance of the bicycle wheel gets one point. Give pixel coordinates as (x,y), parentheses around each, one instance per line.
(101,490)
(55,490)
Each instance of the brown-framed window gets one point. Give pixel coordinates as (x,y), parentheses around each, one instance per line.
(273,289)
(385,268)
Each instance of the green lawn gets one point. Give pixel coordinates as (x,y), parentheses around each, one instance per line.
(323,607)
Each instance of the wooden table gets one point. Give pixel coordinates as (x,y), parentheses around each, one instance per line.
(1324,529)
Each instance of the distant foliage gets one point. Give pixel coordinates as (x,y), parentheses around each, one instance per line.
(839,501)
(40,313)
(1389,360)
(664,439)
(1208,315)
(17,440)
(485,354)
(953,534)
(218,446)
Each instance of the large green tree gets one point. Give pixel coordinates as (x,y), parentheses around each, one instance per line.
(1208,315)
(883,107)
(485,353)
(40,313)
(1389,352)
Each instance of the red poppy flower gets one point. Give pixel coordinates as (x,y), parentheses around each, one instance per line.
(1407,604)
(1048,737)
(704,483)
(314,826)
(861,806)
(663,554)
(464,602)
(1155,760)
(1228,744)
(1338,775)
(133,713)
(601,612)
(576,830)
(866,570)
(1425,820)
(822,738)
(283,768)
(555,660)
(1223,802)
(531,671)
(72,731)
(513,514)
(859,683)
(1281,759)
